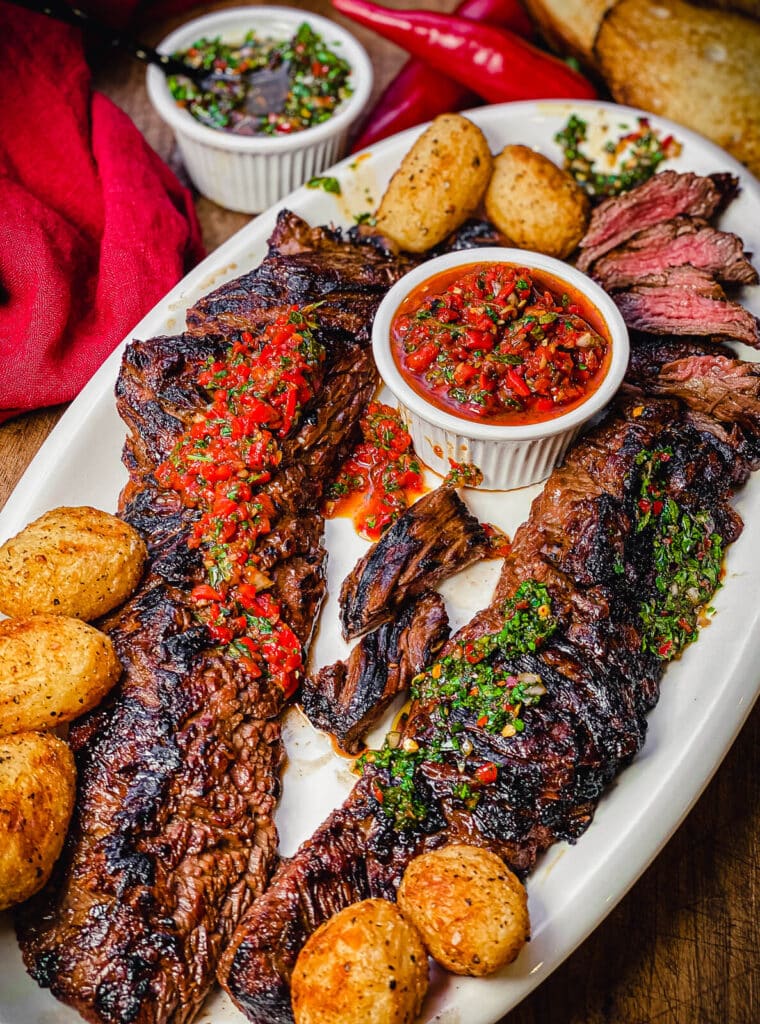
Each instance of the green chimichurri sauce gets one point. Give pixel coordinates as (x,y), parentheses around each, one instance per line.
(688,555)
(264,86)
(638,151)
(472,687)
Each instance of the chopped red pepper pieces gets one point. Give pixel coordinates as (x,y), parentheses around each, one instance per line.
(486,773)
(228,452)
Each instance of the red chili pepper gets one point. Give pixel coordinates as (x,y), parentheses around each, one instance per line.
(486,773)
(496,62)
(418,93)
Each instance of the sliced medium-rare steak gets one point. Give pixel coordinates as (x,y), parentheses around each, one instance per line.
(682,300)
(347,698)
(676,243)
(173,834)
(431,541)
(666,195)
(581,587)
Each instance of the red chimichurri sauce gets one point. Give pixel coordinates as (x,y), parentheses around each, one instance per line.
(221,466)
(380,478)
(500,344)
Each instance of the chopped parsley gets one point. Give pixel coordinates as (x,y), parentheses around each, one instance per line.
(642,151)
(471,687)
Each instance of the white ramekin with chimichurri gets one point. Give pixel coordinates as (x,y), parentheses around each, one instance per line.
(243,146)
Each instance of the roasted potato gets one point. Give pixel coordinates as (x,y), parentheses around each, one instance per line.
(700,68)
(52,669)
(535,203)
(37,782)
(71,561)
(471,911)
(365,964)
(439,184)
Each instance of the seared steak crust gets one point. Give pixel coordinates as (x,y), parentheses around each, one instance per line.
(581,541)
(347,698)
(431,541)
(179,771)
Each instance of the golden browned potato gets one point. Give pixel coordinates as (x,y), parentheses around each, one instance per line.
(439,184)
(700,68)
(37,782)
(71,561)
(365,964)
(535,203)
(52,669)
(471,911)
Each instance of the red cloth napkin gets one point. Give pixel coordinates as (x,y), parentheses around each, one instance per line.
(94,228)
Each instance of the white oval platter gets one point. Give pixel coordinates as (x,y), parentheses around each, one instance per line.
(706,696)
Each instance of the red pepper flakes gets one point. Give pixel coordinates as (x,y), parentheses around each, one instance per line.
(219,465)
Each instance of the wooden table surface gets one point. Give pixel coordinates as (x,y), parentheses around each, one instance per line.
(683,947)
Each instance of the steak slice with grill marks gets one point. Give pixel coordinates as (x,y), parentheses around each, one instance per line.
(347,698)
(676,243)
(173,834)
(305,265)
(582,542)
(431,541)
(666,195)
(683,300)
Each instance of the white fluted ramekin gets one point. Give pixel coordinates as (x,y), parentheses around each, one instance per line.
(507,456)
(250,173)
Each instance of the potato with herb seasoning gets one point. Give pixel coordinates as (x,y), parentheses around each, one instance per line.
(535,203)
(52,668)
(470,909)
(71,561)
(37,782)
(439,184)
(366,963)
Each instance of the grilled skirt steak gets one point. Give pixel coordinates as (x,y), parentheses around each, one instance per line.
(676,243)
(584,542)
(719,388)
(173,835)
(682,300)
(346,699)
(431,541)
(666,195)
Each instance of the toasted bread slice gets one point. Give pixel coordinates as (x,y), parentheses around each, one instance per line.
(698,67)
(569,26)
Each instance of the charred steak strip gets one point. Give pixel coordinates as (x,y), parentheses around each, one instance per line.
(305,265)
(589,544)
(666,195)
(676,243)
(683,300)
(431,541)
(179,772)
(346,699)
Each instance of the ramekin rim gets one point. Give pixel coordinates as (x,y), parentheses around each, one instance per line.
(466,428)
(183,122)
